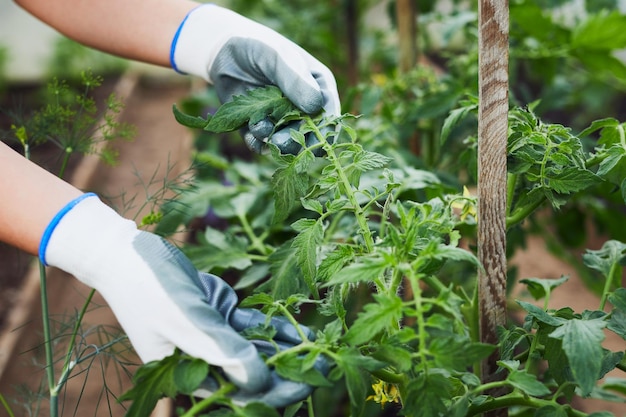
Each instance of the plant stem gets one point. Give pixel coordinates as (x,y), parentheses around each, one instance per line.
(510,191)
(512,399)
(388,376)
(607,284)
(67,364)
(309,407)
(206,402)
(5,404)
(256,242)
(358,210)
(66,158)
(47,334)
(293,321)
(521,213)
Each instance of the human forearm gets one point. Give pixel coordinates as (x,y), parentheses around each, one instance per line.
(134,29)
(31,196)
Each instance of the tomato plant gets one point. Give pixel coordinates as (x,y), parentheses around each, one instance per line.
(365,251)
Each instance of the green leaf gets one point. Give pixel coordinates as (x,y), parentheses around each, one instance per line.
(582,344)
(456,353)
(375,318)
(307,244)
(427,395)
(539,288)
(454,118)
(601,31)
(571,180)
(617,323)
(527,383)
(541,315)
(189,374)
(335,261)
(289,185)
(353,366)
(294,368)
(254,106)
(151,382)
(615,384)
(194,122)
(598,125)
(366,160)
(618,299)
(603,259)
(612,158)
(285,278)
(367,270)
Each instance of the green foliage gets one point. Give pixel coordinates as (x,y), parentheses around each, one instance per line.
(350,222)
(376,253)
(73,121)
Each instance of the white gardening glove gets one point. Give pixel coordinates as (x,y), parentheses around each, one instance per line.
(236,54)
(154,290)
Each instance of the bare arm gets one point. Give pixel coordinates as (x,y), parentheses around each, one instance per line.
(31,197)
(135,29)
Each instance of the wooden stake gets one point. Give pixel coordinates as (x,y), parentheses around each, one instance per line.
(406,15)
(493,44)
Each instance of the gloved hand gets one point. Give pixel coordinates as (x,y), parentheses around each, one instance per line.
(236,54)
(158,296)
(281,392)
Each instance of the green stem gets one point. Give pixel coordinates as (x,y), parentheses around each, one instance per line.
(293,321)
(71,365)
(47,334)
(520,214)
(66,158)
(421,323)
(607,284)
(510,191)
(67,364)
(358,210)
(532,364)
(256,242)
(388,376)
(309,407)
(509,400)
(6,406)
(208,401)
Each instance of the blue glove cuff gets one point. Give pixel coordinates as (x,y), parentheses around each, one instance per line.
(175,40)
(55,221)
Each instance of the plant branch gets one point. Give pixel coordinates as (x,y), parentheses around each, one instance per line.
(54,399)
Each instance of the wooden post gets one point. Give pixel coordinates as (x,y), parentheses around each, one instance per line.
(493,44)
(406,15)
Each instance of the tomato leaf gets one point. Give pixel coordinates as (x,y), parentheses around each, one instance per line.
(582,345)
(375,318)
(254,106)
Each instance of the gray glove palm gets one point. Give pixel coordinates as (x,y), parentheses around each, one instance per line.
(236,54)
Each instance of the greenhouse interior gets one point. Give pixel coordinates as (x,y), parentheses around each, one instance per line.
(351,208)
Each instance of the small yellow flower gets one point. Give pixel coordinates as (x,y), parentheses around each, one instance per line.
(465,206)
(384,393)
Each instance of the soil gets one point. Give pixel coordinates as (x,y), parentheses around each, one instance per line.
(161,150)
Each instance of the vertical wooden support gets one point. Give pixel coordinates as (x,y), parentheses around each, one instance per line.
(406,15)
(493,43)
